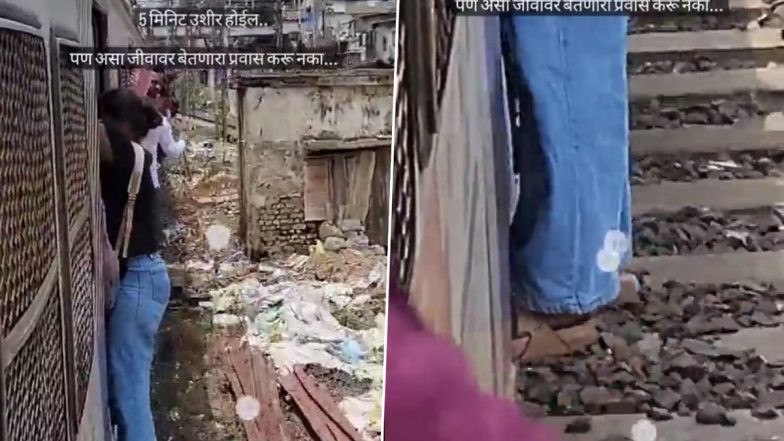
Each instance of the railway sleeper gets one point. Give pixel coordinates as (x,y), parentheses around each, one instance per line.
(742,12)
(753,134)
(740,110)
(730,41)
(738,194)
(723,82)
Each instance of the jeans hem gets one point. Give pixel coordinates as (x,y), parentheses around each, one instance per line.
(564,300)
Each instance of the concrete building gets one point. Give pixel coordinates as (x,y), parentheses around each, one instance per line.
(323,156)
(377,34)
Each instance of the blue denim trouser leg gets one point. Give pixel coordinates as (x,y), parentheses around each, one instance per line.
(575,166)
(132,325)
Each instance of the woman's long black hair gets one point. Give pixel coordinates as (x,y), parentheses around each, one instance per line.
(123,106)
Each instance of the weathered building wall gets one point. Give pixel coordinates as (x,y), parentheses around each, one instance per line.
(274,218)
(298,113)
(342,123)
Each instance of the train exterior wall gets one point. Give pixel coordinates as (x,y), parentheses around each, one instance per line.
(52,306)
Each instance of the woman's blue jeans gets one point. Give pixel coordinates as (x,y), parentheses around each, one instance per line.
(133,322)
(573,162)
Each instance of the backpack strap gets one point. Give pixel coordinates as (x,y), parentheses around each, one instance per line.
(133,190)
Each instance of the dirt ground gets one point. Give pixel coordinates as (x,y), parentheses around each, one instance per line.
(191,397)
(190,394)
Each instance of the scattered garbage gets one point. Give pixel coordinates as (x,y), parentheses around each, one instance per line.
(292,320)
(351,351)
(226,320)
(325,308)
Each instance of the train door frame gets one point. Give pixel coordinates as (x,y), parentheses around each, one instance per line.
(100,37)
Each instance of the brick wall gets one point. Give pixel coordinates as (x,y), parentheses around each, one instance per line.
(281,227)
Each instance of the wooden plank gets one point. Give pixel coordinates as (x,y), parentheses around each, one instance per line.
(706,139)
(271,415)
(360,185)
(377,219)
(322,145)
(320,424)
(723,82)
(250,374)
(326,403)
(338,184)
(721,195)
(705,41)
(316,189)
(233,375)
(714,268)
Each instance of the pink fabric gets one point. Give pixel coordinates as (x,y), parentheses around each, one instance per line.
(141,80)
(432,396)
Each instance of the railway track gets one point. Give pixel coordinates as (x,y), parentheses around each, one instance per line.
(702,353)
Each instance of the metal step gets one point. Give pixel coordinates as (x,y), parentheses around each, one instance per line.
(725,82)
(705,41)
(759,134)
(739,194)
(763,267)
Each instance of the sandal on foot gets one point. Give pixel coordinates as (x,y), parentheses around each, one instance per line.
(540,338)
(630,287)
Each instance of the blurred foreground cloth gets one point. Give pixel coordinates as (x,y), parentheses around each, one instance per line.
(141,80)
(460,278)
(431,394)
